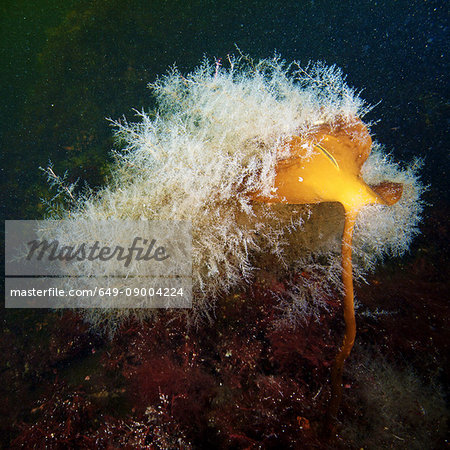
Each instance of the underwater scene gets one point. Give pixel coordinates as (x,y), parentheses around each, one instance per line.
(303,148)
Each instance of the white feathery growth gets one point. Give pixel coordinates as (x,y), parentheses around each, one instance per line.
(216,137)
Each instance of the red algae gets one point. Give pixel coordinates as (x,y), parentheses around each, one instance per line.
(240,383)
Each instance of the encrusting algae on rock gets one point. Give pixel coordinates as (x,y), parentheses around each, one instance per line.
(216,142)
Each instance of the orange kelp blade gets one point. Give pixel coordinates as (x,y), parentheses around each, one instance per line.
(327,168)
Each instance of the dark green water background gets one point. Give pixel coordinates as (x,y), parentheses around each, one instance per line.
(65,66)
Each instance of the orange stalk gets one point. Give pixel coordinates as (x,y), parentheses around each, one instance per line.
(349,316)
